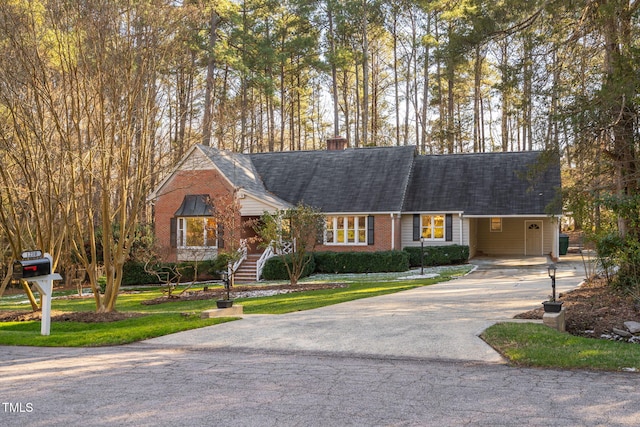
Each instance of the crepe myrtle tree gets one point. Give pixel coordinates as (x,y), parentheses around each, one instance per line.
(294,233)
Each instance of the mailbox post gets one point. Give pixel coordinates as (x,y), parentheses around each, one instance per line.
(36,268)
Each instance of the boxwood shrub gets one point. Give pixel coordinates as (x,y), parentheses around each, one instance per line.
(438,255)
(133,272)
(361,262)
(274,268)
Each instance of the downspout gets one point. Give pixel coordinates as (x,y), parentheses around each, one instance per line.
(393,232)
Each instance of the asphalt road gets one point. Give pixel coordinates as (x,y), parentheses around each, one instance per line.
(215,377)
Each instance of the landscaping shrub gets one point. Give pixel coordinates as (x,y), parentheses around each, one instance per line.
(133,274)
(610,249)
(361,262)
(438,255)
(274,268)
(219,265)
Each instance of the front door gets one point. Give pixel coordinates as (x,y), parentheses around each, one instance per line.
(533,238)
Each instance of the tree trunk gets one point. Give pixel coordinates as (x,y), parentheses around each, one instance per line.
(211,66)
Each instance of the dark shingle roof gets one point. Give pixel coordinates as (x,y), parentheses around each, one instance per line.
(353,180)
(195,205)
(522,183)
(239,169)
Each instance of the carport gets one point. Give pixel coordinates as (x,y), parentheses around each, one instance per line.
(513,235)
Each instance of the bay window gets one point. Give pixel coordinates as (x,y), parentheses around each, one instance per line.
(196,232)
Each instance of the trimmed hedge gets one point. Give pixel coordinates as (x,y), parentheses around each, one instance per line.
(361,262)
(438,255)
(133,272)
(274,268)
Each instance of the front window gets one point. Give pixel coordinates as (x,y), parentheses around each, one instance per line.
(346,230)
(432,227)
(197,232)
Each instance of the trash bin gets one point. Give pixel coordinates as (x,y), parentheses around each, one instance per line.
(564,244)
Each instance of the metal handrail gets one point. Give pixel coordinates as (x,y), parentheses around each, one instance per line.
(242,250)
(268,253)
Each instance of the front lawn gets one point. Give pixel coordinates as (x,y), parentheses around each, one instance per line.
(536,345)
(79,334)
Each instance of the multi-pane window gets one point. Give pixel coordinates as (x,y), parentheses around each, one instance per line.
(432,227)
(197,232)
(346,230)
(496,224)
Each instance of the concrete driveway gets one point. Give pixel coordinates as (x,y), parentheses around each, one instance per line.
(441,321)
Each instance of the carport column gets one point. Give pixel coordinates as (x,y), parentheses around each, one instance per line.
(555,252)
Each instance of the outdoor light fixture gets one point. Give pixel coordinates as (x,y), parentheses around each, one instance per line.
(422,256)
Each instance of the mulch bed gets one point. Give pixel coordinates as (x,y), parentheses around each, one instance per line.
(214,293)
(593,309)
(62,316)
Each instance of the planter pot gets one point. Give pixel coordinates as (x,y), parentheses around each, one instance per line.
(224,303)
(552,306)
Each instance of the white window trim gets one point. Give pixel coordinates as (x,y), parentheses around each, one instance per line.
(357,229)
(444,228)
(182,234)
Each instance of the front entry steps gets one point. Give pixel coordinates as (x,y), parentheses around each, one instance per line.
(246,273)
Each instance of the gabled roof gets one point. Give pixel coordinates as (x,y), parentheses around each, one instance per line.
(364,180)
(241,173)
(391,179)
(512,183)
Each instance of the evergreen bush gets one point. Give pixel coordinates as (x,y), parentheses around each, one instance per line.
(438,255)
(361,262)
(133,274)
(274,268)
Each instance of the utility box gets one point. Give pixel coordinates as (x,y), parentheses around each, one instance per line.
(34,265)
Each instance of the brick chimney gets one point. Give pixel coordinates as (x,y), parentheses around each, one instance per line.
(337,143)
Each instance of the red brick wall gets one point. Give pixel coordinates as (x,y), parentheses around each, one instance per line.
(170,198)
(382,238)
(212,183)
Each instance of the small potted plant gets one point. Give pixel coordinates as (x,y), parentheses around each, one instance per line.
(227,301)
(552,306)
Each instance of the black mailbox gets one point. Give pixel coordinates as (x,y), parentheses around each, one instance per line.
(26,268)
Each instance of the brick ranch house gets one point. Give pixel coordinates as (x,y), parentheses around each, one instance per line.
(374,199)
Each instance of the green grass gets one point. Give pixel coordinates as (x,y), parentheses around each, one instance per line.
(167,318)
(77,334)
(536,345)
